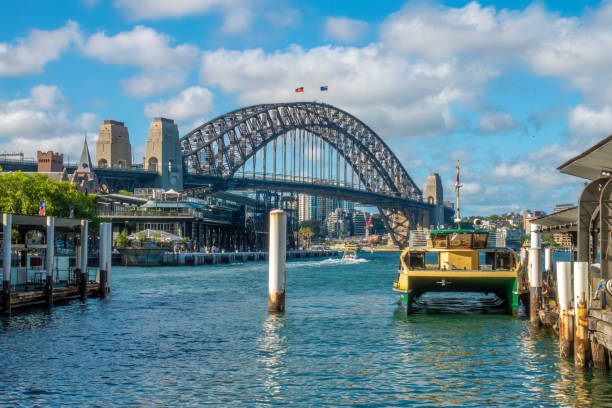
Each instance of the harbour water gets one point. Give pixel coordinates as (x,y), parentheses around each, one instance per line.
(192,336)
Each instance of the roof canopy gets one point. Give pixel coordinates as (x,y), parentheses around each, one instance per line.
(562,221)
(592,162)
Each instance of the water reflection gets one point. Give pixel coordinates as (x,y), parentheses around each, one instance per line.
(272,349)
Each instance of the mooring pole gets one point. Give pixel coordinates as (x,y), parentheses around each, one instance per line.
(50,261)
(581,290)
(535,285)
(102,261)
(276,261)
(84,275)
(7,228)
(109,255)
(564,294)
(548,265)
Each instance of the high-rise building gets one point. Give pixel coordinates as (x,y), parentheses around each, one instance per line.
(163,153)
(306,207)
(113,148)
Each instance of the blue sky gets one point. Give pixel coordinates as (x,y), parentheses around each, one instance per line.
(511,88)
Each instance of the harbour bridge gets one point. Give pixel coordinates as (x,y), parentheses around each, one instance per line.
(301,147)
(305,147)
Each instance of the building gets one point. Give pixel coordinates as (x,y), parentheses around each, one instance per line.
(113,148)
(318,208)
(163,153)
(561,207)
(358,220)
(83,177)
(50,162)
(306,207)
(338,224)
(434,194)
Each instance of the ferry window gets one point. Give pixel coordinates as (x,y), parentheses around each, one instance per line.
(439,241)
(432,260)
(486,260)
(416,260)
(480,240)
(503,261)
(461,241)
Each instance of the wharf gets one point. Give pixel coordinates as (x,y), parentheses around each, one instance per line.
(153,257)
(35,298)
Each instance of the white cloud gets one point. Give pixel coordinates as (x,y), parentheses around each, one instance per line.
(345,29)
(187,104)
(394,95)
(237,14)
(41,121)
(142,47)
(440,31)
(154,81)
(164,66)
(588,122)
(496,122)
(285,17)
(30,55)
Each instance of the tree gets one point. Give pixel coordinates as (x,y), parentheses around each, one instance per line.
(122,239)
(314,225)
(378,226)
(523,238)
(306,233)
(21,193)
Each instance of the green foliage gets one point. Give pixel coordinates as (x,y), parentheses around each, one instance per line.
(547,239)
(125,192)
(184,240)
(523,238)
(141,236)
(378,226)
(313,225)
(21,193)
(122,239)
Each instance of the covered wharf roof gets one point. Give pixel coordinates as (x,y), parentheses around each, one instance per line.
(561,221)
(592,162)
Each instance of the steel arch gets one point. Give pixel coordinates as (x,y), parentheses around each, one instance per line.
(221,146)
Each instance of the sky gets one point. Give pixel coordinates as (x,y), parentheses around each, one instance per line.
(512,89)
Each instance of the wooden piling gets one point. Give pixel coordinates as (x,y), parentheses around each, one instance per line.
(7,228)
(50,260)
(535,285)
(276,261)
(581,336)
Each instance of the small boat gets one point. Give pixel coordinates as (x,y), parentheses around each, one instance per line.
(350,252)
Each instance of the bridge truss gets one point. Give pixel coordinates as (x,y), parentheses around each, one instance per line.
(306,147)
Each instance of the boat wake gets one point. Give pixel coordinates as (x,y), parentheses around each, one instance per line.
(326,262)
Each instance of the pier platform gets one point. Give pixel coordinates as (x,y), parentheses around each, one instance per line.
(157,257)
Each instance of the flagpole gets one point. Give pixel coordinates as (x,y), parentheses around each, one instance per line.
(457,188)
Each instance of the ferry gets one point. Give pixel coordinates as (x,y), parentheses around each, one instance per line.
(350,252)
(458,260)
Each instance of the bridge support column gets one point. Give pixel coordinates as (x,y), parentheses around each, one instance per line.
(276,261)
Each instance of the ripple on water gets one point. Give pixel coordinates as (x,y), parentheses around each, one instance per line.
(190,336)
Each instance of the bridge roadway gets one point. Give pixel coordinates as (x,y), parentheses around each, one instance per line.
(321,189)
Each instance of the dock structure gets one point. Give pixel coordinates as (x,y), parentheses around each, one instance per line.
(44,262)
(584,312)
(157,256)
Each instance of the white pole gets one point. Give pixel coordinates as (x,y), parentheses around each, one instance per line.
(102,260)
(84,249)
(49,258)
(535,267)
(535,283)
(581,278)
(109,254)
(535,237)
(548,259)
(7,228)
(276,261)
(564,294)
